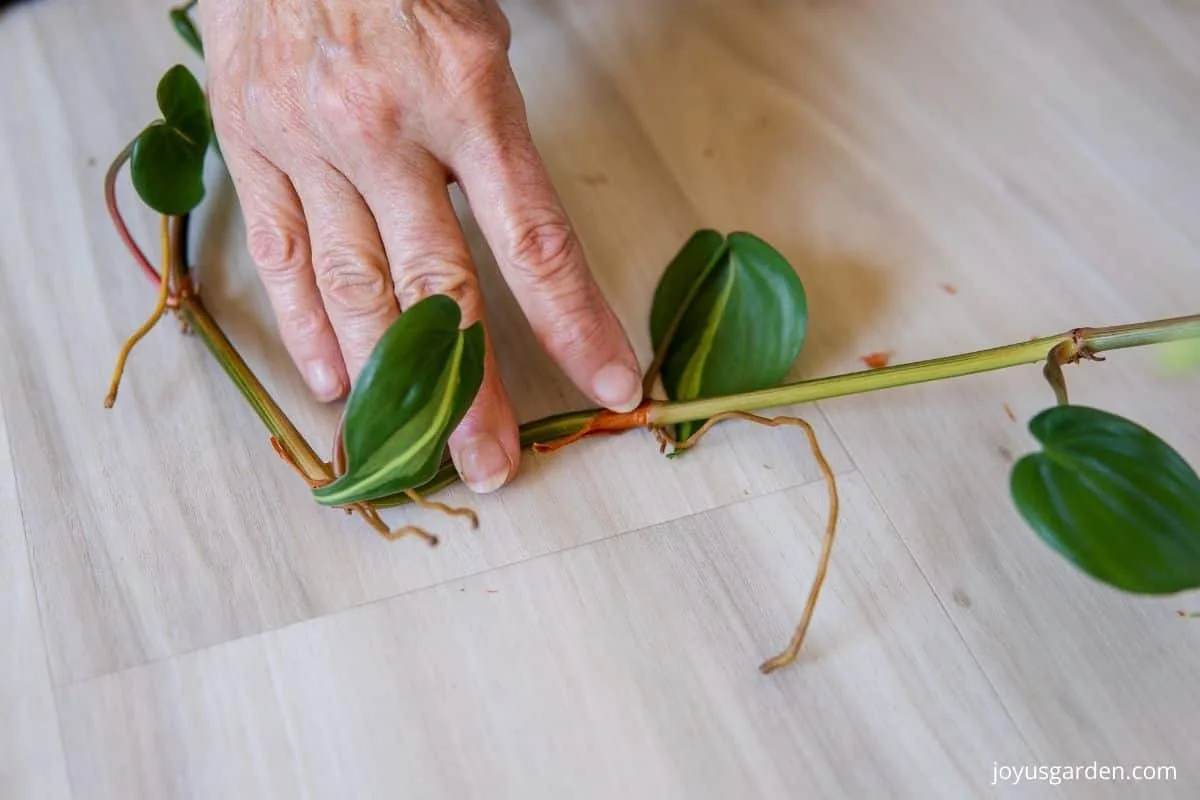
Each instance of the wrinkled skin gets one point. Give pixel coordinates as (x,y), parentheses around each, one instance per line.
(342,124)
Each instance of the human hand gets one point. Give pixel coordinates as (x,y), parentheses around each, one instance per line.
(342,124)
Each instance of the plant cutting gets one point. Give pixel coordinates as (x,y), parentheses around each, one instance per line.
(728,321)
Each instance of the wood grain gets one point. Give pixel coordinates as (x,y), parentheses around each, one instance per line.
(31,756)
(945,175)
(156,522)
(619,668)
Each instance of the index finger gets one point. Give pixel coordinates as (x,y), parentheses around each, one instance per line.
(541,258)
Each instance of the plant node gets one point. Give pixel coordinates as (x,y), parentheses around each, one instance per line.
(282,452)
(164,289)
(604,423)
(370,513)
(792,651)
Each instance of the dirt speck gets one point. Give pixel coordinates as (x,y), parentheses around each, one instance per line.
(594,179)
(708,152)
(1012,415)
(949,288)
(1005,453)
(877,360)
(961,598)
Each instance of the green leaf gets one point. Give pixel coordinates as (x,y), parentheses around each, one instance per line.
(186,29)
(1113,498)
(680,281)
(729,316)
(417,386)
(168,157)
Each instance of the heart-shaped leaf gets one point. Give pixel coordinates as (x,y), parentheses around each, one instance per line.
(1113,498)
(416,387)
(167,163)
(186,28)
(729,315)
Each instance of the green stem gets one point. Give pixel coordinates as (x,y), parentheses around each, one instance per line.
(1076,344)
(277,422)
(537,432)
(1069,346)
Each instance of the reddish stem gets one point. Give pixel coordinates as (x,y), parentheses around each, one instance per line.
(605,422)
(110,197)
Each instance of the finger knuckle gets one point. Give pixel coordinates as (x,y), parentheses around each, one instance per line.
(438,274)
(276,248)
(474,66)
(304,324)
(577,330)
(543,248)
(356,284)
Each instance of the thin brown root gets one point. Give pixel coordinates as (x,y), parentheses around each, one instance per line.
(433,505)
(164,290)
(792,651)
(372,518)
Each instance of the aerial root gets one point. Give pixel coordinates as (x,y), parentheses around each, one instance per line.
(792,651)
(160,307)
(371,515)
(433,505)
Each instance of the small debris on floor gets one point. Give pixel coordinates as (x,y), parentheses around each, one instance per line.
(594,179)
(877,360)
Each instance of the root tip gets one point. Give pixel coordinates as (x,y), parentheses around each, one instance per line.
(777,662)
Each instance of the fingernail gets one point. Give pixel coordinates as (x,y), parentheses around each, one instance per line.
(618,387)
(324,381)
(484,465)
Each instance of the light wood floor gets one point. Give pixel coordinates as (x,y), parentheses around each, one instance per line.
(179,620)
